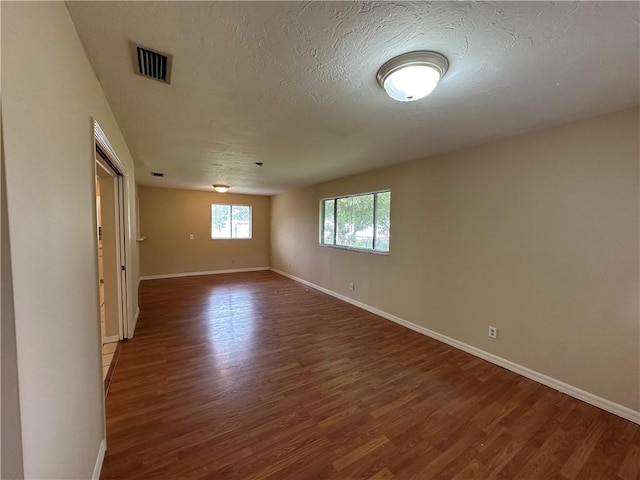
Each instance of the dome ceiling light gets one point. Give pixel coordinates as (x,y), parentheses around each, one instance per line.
(220,188)
(412,76)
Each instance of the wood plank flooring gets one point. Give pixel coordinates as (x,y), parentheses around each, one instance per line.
(254,376)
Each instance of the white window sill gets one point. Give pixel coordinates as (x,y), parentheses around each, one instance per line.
(353,249)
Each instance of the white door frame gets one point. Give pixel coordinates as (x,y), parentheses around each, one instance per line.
(123,224)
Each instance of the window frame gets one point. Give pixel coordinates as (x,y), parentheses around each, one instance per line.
(335,223)
(231,237)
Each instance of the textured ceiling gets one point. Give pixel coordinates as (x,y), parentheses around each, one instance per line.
(293,85)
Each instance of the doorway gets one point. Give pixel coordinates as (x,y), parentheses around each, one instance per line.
(108,264)
(112,254)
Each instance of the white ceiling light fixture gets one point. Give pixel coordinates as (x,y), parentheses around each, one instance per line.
(221,188)
(412,76)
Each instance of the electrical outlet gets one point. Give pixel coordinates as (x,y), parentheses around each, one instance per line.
(352,286)
(289,264)
(493,332)
(191,236)
(233,261)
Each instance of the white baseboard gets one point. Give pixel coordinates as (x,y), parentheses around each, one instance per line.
(603,403)
(210,272)
(111,339)
(98,467)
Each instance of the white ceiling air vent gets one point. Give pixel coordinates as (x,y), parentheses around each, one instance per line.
(151,64)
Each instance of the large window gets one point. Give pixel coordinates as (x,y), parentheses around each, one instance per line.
(230,221)
(356,221)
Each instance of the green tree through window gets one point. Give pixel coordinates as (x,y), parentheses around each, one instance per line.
(230,221)
(357,221)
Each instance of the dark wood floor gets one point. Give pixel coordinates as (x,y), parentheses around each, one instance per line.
(250,376)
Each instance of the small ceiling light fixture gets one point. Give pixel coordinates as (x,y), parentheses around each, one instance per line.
(220,188)
(412,76)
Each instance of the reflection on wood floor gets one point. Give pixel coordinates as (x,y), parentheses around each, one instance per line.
(252,375)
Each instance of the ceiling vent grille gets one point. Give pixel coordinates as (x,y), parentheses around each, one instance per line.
(151,64)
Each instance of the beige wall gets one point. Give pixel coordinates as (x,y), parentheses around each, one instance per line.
(50,95)
(536,235)
(169,216)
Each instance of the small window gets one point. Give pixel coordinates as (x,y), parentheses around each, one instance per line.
(230,221)
(357,221)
